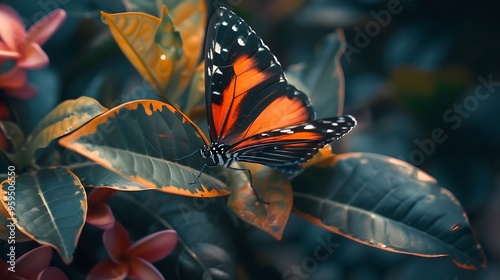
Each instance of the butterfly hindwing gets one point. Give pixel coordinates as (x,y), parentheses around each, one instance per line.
(286,148)
(246,89)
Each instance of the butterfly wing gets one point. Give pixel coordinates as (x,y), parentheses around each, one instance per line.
(246,90)
(286,148)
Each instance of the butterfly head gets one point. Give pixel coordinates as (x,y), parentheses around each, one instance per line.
(206,152)
(218,153)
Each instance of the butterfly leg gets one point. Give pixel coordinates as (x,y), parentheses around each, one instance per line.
(201,171)
(251,183)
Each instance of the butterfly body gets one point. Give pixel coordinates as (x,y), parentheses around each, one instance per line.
(253,114)
(218,153)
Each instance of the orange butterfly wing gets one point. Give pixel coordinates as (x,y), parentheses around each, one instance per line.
(246,90)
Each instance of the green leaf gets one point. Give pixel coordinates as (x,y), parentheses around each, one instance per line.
(65,118)
(151,143)
(49,206)
(13,133)
(388,204)
(15,136)
(5,232)
(94,175)
(321,78)
(273,187)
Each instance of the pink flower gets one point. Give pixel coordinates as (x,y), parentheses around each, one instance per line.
(135,260)
(32,265)
(21,50)
(99,213)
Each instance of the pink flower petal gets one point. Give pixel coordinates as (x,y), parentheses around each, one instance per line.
(142,269)
(14,78)
(52,273)
(43,29)
(154,247)
(6,53)
(25,92)
(33,57)
(101,216)
(33,262)
(116,241)
(12,28)
(107,269)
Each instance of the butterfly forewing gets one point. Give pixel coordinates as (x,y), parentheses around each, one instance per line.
(246,89)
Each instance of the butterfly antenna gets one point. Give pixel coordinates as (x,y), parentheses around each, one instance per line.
(186,156)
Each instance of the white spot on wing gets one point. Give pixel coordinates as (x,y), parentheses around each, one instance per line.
(241,42)
(309,126)
(287,131)
(234,28)
(215,92)
(217,47)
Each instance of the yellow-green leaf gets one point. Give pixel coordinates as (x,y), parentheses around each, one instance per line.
(164,50)
(65,118)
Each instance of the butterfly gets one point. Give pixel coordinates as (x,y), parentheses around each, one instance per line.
(254,115)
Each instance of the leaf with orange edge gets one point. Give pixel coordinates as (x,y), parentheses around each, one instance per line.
(65,118)
(151,143)
(322,78)
(388,204)
(273,187)
(49,206)
(5,232)
(68,116)
(164,50)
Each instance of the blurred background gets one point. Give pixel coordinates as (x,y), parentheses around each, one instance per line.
(422,78)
